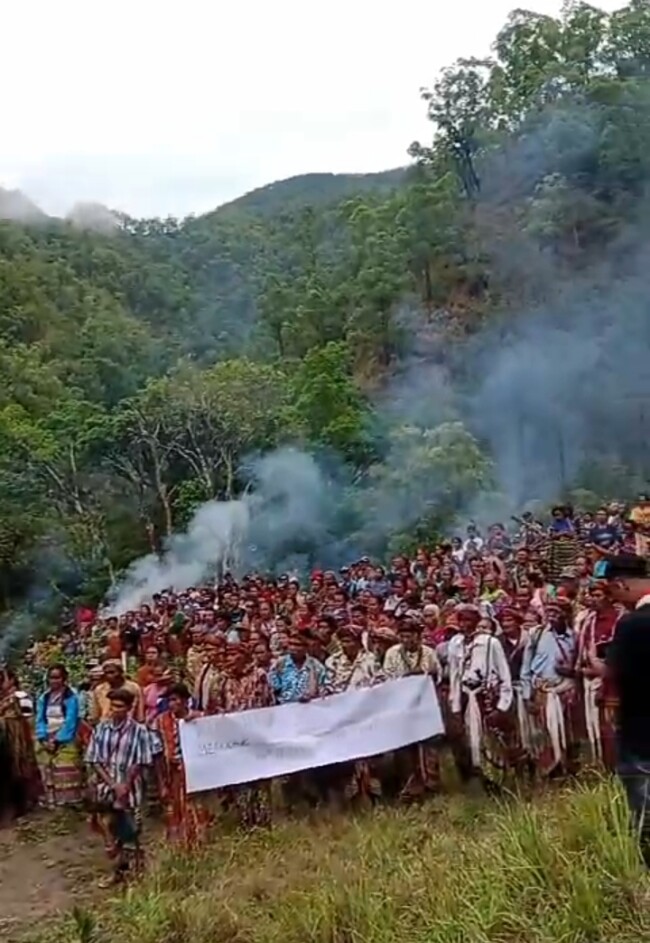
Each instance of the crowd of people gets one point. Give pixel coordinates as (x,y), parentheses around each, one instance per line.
(511,625)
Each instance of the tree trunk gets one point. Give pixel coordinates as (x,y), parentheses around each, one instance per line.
(161,490)
(230,478)
(76,500)
(167,510)
(151,535)
(428,293)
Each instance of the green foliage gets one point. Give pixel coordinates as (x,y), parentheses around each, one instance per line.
(141,367)
(417,488)
(326,402)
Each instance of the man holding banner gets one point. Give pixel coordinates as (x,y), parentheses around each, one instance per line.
(350,668)
(298,678)
(254,745)
(417,765)
(245,687)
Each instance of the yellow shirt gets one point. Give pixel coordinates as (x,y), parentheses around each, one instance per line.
(100,706)
(194,661)
(640,515)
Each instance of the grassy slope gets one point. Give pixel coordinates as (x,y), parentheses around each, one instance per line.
(455,871)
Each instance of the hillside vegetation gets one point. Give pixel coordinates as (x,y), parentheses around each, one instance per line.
(140,367)
(562,869)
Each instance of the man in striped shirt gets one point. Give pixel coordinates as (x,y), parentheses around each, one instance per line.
(119,750)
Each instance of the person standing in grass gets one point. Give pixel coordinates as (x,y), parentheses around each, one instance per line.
(57,724)
(20,783)
(298,677)
(418,765)
(186,819)
(119,751)
(245,687)
(550,690)
(600,698)
(483,692)
(627,660)
(349,668)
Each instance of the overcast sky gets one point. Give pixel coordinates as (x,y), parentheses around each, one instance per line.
(176,106)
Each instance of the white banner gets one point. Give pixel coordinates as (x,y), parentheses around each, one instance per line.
(272,741)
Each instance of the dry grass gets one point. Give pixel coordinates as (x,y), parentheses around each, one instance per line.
(563,868)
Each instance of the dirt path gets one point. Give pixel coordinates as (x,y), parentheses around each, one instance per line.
(47,865)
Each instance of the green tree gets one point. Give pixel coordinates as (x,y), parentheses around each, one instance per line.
(426,478)
(224,413)
(326,402)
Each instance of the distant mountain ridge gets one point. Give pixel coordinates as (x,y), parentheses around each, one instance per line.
(195,282)
(316,189)
(17,207)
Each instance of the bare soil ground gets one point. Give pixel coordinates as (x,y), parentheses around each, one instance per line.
(48,863)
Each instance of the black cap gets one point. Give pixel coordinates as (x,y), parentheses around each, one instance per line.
(623,566)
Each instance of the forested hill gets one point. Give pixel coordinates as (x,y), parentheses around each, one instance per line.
(139,366)
(313,190)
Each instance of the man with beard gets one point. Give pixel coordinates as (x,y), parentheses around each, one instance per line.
(486,698)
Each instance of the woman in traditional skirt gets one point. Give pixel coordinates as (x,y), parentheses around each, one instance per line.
(57,721)
(20,783)
(185,818)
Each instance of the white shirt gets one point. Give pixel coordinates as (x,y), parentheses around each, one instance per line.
(477,663)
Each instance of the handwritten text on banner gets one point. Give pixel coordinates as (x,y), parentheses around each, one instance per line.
(274,741)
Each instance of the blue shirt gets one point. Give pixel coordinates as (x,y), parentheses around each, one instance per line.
(544,650)
(292,683)
(70,710)
(561,525)
(603,535)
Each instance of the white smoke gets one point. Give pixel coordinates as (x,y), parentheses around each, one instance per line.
(288,509)
(95,217)
(16,206)
(211,543)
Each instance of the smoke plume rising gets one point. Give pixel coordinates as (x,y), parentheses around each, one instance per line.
(556,387)
(283,521)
